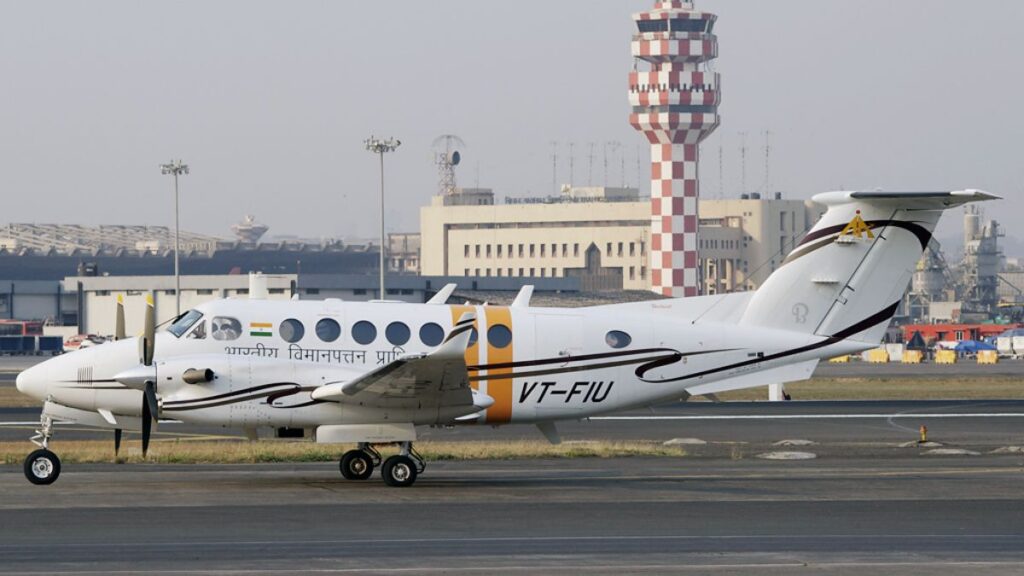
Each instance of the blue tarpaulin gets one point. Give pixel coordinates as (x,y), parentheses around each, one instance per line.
(970,346)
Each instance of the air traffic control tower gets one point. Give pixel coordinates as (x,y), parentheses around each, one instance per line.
(674,99)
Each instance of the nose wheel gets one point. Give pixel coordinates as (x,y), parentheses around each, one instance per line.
(42,467)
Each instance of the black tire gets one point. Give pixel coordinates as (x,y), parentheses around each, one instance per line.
(356,465)
(398,471)
(42,467)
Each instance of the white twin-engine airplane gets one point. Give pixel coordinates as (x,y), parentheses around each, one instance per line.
(370,373)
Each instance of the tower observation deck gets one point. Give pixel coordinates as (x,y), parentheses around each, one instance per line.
(674,101)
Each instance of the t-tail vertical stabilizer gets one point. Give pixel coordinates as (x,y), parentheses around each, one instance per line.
(846,277)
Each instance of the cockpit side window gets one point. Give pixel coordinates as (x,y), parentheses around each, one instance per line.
(199,332)
(225,328)
(182,324)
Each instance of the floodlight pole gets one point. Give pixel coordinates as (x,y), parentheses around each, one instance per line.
(379,147)
(176,168)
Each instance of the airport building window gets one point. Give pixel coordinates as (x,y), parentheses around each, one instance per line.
(291,330)
(532,251)
(499,250)
(328,329)
(509,272)
(362,291)
(554,250)
(643,272)
(632,248)
(620,248)
(520,271)
(476,272)
(204,291)
(575,249)
(465,272)
(520,250)
(509,251)
(617,339)
(632,272)
(565,250)
(499,336)
(608,249)
(465,251)
(364,332)
(477,250)
(228,328)
(431,334)
(542,250)
(488,250)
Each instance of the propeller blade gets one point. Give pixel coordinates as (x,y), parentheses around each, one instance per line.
(148,334)
(117,441)
(147,427)
(150,414)
(119,319)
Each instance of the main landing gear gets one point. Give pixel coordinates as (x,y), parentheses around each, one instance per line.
(42,466)
(399,470)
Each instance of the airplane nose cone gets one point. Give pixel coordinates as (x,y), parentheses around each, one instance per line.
(33,382)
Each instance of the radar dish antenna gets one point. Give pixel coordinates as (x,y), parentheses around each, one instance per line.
(447,157)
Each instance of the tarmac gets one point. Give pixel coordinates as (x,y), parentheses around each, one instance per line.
(911,515)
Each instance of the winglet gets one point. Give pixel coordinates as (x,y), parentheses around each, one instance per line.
(523,298)
(455,344)
(443,294)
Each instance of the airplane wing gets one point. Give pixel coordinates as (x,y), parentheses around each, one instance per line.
(436,379)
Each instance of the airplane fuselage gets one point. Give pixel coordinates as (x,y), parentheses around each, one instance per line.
(537,364)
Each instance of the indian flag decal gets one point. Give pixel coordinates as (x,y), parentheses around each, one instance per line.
(260,329)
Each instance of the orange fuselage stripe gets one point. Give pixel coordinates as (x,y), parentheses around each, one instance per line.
(499,388)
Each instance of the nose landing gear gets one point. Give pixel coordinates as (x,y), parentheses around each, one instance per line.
(42,466)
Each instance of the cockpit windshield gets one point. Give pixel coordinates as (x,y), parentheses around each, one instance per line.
(181,325)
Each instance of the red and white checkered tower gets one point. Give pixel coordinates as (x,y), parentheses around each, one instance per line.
(675,104)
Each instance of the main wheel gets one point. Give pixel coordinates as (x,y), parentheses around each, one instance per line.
(42,467)
(399,471)
(356,465)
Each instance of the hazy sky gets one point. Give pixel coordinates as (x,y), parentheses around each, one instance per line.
(269,103)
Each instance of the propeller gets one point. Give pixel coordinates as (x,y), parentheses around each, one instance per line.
(150,405)
(119,334)
(143,376)
(119,319)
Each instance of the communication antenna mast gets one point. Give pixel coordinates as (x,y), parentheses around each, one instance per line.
(721,168)
(767,162)
(572,164)
(742,163)
(590,163)
(447,157)
(554,166)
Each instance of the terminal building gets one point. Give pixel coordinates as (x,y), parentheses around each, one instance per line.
(602,235)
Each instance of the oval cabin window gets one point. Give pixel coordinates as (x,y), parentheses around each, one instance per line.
(617,339)
(364,332)
(397,333)
(328,330)
(292,330)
